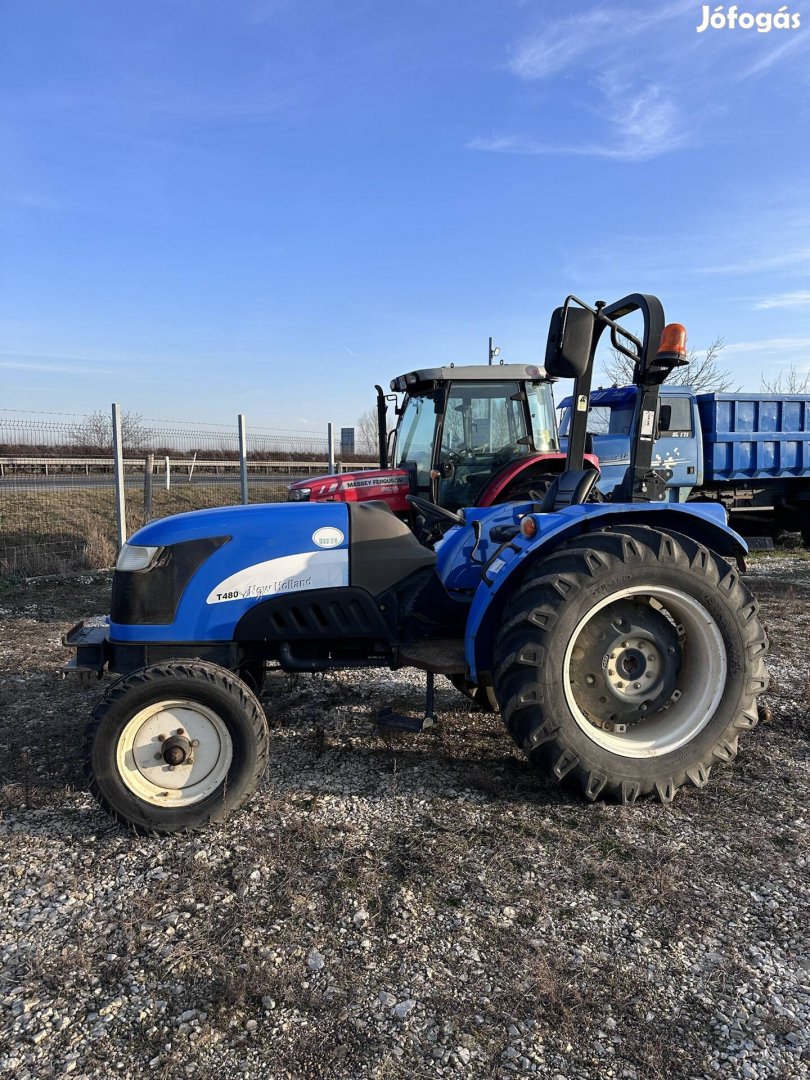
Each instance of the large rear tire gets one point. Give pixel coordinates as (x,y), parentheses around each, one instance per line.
(631,663)
(175,746)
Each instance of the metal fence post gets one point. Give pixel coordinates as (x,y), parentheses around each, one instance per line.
(118,464)
(330,438)
(168,473)
(149,468)
(243,474)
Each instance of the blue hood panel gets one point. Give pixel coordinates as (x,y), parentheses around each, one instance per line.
(273,549)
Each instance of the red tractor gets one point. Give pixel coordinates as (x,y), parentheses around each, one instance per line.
(465,436)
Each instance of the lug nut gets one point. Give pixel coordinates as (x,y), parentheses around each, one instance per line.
(180,731)
(195,742)
(636,685)
(171,768)
(158,757)
(161,738)
(590,680)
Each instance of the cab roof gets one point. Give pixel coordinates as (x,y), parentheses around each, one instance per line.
(469,373)
(624,395)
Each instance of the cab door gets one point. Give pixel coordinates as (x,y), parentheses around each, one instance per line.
(676,445)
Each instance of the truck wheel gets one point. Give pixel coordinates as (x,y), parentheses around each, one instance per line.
(483,696)
(174,746)
(632,664)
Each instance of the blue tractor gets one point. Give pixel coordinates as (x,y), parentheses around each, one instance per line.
(615,634)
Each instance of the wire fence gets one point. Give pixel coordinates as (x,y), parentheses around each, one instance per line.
(58,510)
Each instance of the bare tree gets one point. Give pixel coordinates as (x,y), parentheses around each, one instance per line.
(703,372)
(787,381)
(367,433)
(95,430)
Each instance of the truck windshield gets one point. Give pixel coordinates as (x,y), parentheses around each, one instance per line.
(603,419)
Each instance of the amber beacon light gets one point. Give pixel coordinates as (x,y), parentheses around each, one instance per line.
(673,342)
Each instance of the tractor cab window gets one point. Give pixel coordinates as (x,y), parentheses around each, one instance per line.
(484,429)
(541,415)
(415,436)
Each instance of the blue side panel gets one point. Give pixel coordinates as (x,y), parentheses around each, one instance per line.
(271,551)
(755,436)
(552,530)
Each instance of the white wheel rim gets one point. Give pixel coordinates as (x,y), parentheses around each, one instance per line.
(141,763)
(701,680)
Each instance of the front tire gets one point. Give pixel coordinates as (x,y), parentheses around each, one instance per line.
(175,746)
(632,664)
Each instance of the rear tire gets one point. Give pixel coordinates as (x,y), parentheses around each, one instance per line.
(175,746)
(643,715)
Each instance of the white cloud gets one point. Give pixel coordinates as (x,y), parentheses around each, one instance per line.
(784,300)
(643,123)
(755,264)
(553,49)
(768,345)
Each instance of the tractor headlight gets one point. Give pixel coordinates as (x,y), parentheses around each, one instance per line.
(136,557)
(299,494)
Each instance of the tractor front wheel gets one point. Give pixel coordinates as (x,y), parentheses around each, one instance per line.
(174,746)
(631,664)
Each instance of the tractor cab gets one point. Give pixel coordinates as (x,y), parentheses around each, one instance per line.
(465,436)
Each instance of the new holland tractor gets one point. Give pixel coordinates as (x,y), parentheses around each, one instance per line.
(620,642)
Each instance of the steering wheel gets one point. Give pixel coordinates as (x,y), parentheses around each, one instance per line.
(432,510)
(503,455)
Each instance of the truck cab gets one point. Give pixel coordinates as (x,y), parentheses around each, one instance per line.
(613,416)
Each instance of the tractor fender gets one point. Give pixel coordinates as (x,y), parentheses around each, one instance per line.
(705,523)
(496,487)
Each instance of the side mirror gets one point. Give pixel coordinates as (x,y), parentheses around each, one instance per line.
(570,338)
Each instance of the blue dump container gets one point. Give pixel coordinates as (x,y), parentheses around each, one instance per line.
(748,436)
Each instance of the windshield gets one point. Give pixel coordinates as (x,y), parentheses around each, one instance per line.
(603,419)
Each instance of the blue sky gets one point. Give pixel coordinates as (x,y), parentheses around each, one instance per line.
(209,207)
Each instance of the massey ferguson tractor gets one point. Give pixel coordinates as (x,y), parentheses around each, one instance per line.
(615,633)
(473,435)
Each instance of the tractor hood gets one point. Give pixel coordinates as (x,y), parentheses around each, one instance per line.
(198,576)
(387,485)
(223,560)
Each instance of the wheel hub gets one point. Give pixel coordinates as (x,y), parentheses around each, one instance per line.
(176,750)
(626,665)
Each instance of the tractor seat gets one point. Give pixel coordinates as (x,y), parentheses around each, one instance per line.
(568,489)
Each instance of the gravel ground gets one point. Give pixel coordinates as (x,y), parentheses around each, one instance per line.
(401,906)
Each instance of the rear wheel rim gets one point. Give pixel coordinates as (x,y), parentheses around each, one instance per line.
(179,730)
(699,683)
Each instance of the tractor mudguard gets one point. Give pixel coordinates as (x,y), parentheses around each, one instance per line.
(704,522)
(550,462)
